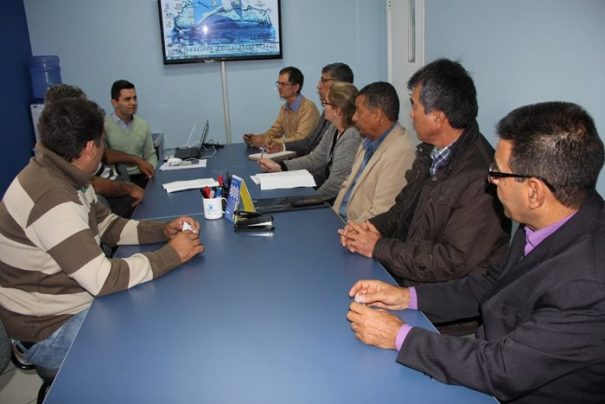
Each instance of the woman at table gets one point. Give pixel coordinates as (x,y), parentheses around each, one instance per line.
(330,162)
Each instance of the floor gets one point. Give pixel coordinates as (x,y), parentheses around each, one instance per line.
(19,386)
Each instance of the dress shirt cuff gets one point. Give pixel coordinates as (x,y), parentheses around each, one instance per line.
(401,335)
(413,304)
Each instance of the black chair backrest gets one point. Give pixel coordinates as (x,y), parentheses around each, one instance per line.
(5,347)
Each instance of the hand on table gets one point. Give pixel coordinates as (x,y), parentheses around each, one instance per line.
(274,147)
(176,226)
(146,168)
(269,165)
(187,245)
(359,238)
(254,140)
(380,294)
(375,327)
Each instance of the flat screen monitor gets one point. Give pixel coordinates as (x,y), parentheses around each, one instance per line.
(220,30)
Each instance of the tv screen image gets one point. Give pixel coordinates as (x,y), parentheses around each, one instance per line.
(220,30)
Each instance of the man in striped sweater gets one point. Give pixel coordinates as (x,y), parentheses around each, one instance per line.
(51,225)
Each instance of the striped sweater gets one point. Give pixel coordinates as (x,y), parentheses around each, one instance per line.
(51,264)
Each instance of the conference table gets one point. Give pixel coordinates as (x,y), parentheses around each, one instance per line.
(256,318)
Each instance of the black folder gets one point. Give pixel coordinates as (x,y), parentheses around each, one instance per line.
(287,203)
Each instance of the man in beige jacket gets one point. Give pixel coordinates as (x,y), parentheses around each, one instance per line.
(378,172)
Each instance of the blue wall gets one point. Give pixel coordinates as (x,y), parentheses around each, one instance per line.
(101,41)
(16,131)
(521,52)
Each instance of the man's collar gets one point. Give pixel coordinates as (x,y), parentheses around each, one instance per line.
(295,105)
(122,123)
(370,145)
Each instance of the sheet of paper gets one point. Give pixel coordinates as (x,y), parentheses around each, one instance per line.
(286,180)
(184,165)
(191,184)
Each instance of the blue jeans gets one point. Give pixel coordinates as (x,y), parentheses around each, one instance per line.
(49,353)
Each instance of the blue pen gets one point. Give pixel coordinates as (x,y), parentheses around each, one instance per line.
(219,191)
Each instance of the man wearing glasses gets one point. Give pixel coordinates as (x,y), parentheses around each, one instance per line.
(297,118)
(543,309)
(330,74)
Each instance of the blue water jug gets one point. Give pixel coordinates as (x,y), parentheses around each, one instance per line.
(45,72)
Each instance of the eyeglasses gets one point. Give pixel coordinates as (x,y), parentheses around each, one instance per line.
(282,84)
(323,81)
(493,174)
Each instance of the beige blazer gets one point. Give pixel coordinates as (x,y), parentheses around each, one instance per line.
(382,178)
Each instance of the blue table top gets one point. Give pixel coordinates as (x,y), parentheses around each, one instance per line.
(257,318)
(232,159)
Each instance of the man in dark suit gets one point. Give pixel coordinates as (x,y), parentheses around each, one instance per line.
(543,310)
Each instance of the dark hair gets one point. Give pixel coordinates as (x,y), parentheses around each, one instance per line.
(118,86)
(67,125)
(339,72)
(382,95)
(61,91)
(342,95)
(558,142)
(446,86)
(295,76)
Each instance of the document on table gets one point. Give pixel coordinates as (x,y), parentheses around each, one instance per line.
(191,184)
(277,156)
(284,180)
(183,165)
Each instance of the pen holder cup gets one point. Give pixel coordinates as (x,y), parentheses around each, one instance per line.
(213,208)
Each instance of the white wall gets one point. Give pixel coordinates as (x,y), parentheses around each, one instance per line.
(101,41)
(521,52)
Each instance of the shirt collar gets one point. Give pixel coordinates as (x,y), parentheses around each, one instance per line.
(534,237)
(445,151)
(122,124)
(370,146)
(295,104)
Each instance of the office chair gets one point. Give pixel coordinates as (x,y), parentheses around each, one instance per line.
(47,375)
(5,348)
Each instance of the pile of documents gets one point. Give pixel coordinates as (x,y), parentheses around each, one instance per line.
(183,165)
(284,180)
(191,184)
(277,156)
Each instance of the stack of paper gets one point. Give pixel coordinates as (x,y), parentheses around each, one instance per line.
(191,184)
(183,165)
(284,179)
(277,156)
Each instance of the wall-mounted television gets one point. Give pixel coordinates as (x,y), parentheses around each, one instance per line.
(218,30)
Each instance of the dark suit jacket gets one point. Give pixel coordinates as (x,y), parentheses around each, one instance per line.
(448,225)
(543,338)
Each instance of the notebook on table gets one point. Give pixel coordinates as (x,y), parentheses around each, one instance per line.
(277,156)
(193,152)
